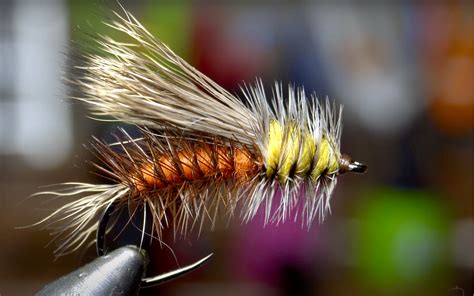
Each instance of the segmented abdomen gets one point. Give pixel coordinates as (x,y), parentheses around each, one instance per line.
(151,164)
(207,162)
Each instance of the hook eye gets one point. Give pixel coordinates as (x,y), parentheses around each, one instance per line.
(347,165)
(149,281)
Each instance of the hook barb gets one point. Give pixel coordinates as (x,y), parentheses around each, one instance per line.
(165,277)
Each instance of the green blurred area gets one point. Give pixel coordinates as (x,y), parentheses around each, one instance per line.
(169,20)
(403,240)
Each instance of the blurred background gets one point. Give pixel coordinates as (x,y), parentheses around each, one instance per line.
(404,73)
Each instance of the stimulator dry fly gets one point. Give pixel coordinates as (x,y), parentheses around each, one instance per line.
(203,152)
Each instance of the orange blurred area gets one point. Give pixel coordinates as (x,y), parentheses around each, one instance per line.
(450,62)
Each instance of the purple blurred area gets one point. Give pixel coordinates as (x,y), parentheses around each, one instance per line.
(404,73)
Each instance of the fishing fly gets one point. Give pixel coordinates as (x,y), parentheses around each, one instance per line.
(203,152)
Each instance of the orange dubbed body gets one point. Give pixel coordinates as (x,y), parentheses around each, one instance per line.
(207,162)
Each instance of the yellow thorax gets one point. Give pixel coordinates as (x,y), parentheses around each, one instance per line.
(293,150)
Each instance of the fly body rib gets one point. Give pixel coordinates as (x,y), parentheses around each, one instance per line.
(204,152)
